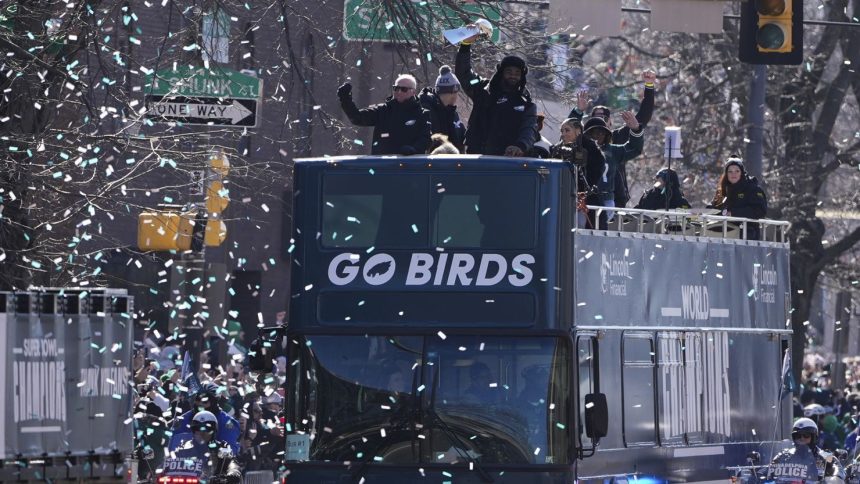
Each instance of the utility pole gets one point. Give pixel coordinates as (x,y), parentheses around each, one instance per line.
(755,119)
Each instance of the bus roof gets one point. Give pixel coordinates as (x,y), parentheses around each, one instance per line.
(452,161)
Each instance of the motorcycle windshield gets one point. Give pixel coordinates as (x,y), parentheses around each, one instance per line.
(415,399)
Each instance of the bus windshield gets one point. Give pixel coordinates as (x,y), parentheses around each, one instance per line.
(415,399)
(418,210)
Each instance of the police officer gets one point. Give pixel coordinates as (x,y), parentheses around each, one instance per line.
(206,399)
(805,461)
(214,455)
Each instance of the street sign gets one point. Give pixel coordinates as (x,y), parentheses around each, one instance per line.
(370,20)
(202,96)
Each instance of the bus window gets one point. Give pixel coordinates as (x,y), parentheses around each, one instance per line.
(638,389)
(374,210)
(495,212)
(514,389)
(672,388)
(586,351)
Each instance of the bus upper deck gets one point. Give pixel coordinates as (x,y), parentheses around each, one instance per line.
(472,241)
(448,315)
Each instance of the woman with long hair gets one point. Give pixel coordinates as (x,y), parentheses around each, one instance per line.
(739,195)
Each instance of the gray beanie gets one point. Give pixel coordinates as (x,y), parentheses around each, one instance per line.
(447,81)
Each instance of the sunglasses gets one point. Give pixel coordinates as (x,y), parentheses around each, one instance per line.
(201,427)
(401,88)
(801,435)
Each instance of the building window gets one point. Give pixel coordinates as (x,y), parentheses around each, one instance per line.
(216,37)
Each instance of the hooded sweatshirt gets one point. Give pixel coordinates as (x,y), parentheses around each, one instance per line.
(499,119)
(668,196)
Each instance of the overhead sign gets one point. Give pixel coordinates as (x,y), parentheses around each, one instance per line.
(366,20)
(204,96)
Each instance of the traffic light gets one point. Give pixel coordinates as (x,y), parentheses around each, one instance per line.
(217,199)
(771,32)
(165,231)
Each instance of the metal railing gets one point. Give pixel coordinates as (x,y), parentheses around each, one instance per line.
(689,223)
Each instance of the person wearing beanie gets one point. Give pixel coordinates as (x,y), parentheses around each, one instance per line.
(401,125)
(666,193)
(441,102)
(504,118)
(622,134)
(739,195)
(616,154)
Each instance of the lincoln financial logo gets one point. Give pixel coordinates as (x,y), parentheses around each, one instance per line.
(614,274)
(764,283)
(39,378)
(442,269)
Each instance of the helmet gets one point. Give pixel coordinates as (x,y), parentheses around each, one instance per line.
(814,410)
(204,421)
(806,426)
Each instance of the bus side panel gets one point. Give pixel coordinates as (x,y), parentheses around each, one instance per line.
(706,414)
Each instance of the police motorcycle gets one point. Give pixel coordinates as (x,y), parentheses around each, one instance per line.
(197,458)
(852,468)
(804,463)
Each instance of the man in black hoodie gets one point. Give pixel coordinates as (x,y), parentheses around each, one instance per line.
(503,119)
(401,125)
(666,193)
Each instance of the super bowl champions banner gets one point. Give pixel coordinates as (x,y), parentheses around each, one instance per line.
(65,380)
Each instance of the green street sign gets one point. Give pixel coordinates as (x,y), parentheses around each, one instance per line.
(194,82)
(373,20)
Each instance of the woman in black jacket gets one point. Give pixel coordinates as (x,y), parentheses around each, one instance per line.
(586,158)
(739,195)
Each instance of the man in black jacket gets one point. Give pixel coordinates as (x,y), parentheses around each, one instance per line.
(401,125)
(503,119)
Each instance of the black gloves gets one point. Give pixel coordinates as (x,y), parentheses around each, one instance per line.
(344,91)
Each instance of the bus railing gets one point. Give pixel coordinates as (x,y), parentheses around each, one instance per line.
(689,223)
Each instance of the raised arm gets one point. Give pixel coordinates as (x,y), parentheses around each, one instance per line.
(646,107)
(633,146)
(359,117)
(471,83)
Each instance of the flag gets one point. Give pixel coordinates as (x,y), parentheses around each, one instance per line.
(188,377)
(787,376)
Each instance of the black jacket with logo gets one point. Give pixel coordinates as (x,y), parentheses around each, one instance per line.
(399,128)
(499,119)
(444,119)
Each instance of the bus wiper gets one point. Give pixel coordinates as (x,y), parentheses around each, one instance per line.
(458,446)
(399,420)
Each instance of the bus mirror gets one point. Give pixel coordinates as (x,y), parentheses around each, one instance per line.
(596,415)
(260,355)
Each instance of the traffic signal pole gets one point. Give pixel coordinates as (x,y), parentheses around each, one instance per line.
(755,122)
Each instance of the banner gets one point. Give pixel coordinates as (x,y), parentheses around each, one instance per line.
(65,379)
(622,281)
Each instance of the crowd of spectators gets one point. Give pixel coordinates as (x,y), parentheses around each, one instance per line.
(836,410)
(170,388)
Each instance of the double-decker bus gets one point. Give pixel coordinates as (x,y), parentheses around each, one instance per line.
(450,322)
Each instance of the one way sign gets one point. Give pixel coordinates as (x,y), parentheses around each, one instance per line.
(229,112)
(194,95)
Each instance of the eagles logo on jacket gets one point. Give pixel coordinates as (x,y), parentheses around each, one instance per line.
(399,128)
(499,119)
